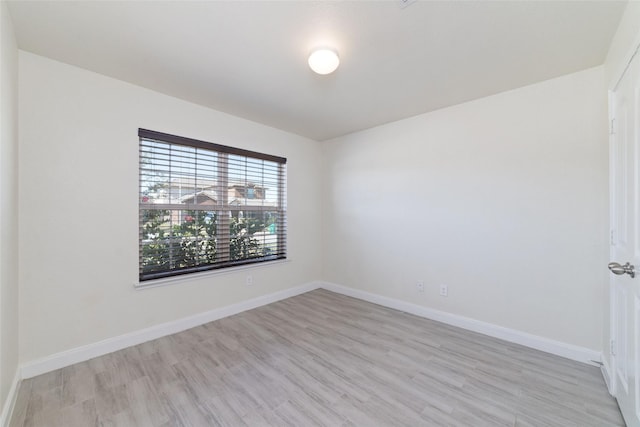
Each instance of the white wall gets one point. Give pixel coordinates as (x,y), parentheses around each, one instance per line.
(78,207)
(8,204)
(504,199)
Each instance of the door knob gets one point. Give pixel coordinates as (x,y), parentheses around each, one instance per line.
(622,269)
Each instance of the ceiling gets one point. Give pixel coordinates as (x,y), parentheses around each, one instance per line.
(248,58)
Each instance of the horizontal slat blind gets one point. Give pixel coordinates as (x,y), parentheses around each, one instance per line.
(206,206)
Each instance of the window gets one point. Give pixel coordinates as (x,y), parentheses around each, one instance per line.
(196,210)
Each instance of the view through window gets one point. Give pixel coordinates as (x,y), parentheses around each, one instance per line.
(205,206)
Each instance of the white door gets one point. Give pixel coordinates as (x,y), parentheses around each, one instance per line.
(625,242)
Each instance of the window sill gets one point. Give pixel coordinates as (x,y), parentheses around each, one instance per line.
(167,281)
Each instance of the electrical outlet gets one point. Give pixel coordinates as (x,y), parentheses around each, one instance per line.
(249,280)
(444,290)
(420,286)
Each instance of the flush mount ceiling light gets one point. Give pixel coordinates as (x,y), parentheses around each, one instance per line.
(324,60)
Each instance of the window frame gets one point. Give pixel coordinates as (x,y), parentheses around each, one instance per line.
(223,209)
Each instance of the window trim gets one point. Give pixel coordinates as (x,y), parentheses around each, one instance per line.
(223,152)
(202,275)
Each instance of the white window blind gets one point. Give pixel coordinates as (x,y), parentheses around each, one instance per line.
(206,206)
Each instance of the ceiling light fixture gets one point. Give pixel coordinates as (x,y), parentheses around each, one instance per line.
(324,60)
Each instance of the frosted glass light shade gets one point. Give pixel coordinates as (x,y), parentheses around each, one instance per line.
(324,60)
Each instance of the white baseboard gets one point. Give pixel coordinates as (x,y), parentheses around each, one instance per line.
(89,351)
(10,403)
(100,348)
(547,345)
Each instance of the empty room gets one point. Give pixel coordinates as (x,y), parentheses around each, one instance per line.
(319,213)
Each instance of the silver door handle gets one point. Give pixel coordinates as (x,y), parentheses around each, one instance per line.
(622,269)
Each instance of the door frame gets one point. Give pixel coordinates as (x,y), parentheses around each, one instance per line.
(609,369)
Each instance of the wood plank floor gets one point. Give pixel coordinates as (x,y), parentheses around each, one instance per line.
(320,359)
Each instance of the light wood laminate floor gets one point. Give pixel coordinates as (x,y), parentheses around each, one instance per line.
(320,359)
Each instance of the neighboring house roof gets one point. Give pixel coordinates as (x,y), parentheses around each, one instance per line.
(203,197)
(209,198)
(189,182)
